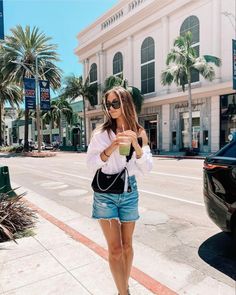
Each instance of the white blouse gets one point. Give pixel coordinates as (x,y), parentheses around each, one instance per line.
(115,163)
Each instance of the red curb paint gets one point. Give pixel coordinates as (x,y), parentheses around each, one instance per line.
(142,278)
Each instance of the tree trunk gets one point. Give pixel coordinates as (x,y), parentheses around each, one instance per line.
(60,132)
(26,141)
(85,135)
(190,133)
(51,124)
(1,125)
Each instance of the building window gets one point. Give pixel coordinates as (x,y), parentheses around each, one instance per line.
(174,137)
(93,76)
(227,117)
(205,137)
(148,66)
(93,80)
(191,24)
(118,64)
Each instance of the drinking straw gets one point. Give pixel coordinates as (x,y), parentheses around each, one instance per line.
(123,128)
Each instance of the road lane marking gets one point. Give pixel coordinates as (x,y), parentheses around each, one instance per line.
(170,197)
(140,190)
(177,175)
(73,175)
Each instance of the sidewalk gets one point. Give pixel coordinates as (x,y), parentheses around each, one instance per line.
(68,255)
(60,260)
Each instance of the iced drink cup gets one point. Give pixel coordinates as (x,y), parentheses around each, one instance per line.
(124,146)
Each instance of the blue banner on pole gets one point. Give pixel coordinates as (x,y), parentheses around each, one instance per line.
(234,62)
(30,98)
(1,21)
(44,89)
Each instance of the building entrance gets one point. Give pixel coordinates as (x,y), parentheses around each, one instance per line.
(76,138)
(150,126)
(184,123)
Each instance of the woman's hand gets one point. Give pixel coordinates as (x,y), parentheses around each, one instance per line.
(134,141)
(131,135)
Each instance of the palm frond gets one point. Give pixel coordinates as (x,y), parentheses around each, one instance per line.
(179,42)
(137,96)
(111,82)
(213,59)
(19,54)
(167,76)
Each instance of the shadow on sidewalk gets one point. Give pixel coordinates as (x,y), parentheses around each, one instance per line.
(219,253)
(10,155)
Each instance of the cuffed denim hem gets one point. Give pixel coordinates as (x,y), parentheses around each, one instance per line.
(132,220)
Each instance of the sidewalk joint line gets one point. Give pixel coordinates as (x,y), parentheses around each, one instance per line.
(67,270)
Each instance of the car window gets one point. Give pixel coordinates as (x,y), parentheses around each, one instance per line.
(229,151)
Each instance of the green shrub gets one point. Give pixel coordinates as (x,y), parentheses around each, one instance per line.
(10,149)
(16,218)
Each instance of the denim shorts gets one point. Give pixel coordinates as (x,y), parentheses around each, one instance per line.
(123,207)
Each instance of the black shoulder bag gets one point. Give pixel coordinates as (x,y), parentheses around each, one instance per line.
(110,183)
(113,183)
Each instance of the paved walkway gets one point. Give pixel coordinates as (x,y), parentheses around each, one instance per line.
(60,260)
(67,255)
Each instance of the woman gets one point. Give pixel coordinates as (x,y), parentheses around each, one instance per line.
(117,213)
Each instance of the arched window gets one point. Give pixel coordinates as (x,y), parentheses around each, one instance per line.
(118,64)
(93,73)
(148,66)
(192,24)
(93,79)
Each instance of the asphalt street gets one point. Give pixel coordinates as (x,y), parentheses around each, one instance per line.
(173,223)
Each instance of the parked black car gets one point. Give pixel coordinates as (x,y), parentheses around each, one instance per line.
(220,187)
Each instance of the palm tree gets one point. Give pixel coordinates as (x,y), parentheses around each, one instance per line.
(113,81)
(75,87)
(20,51)
(9,93)
(59,108)
(181,61)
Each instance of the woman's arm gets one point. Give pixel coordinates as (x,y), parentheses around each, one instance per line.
(144,162)
(99,151)
(106,153)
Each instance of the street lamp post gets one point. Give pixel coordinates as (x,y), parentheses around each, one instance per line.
(37,104)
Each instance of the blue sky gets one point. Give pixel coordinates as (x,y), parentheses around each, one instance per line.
(60,19)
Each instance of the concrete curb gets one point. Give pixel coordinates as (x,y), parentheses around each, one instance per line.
(179,157)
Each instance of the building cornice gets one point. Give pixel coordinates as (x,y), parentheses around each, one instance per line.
(101,19)
(129,24)
(214,89)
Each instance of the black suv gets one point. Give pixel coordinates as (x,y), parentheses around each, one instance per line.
(220,187)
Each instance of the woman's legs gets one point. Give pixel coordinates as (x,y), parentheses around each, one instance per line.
(112,233)
(127,229)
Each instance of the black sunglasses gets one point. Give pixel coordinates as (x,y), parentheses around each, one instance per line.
(115,104)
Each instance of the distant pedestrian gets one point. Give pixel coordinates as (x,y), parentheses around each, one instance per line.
(118,152)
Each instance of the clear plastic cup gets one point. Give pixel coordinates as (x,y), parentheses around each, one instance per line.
(124,145)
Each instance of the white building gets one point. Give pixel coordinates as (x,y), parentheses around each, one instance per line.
(9,115)
(134,37)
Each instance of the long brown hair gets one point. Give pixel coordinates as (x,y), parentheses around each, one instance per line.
(127,108)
